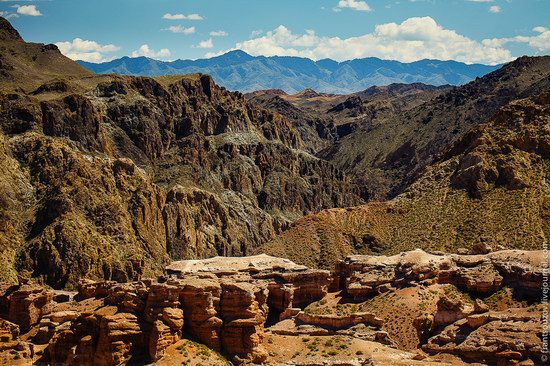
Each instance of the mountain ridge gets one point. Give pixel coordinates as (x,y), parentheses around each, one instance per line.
(110,176)
(237,70)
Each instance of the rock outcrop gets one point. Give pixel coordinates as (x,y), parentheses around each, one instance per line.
(221,302)
(366,276)
(236,306)
(112,177)
(493,337)
(28,304)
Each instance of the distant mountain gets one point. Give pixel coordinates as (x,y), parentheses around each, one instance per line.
(237,70)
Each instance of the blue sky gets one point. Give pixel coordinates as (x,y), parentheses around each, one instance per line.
(485,31)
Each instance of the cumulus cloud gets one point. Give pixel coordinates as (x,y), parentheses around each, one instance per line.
(180,29)
(145,50)
(540,29)
(540,42)
(495,9)
(85,50)
(358,5)
(30,10)
(205,44)
(219,33)
(413,39)
(182,17)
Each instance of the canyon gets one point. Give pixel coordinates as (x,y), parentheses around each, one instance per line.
(167,220)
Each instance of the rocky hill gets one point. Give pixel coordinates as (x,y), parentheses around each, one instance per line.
(389,154)
(323,119)
(238,70)
(490,188)
(113,176)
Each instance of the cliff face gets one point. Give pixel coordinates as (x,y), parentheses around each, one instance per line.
(490,188)
(110,177)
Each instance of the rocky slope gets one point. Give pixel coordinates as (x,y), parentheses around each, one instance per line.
(111,176)
(389,154)
(411,309)
(490,189)
(323,119)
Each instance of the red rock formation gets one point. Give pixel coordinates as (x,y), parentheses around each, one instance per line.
(28,304)
(224,303)
(365,276)
(244,311)
(200,300)
(496,337)
(120,335)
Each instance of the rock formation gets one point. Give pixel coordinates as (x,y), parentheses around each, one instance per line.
(112,177)
(240,306)
(487,191)
(225,310)
(365,276)
(492,337)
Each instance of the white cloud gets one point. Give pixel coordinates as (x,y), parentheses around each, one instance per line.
(413,39)
(256,33)
(91,51)
(180,29)
(145,50)
(495,9)
(540,42)
(481,1)
(205,44)
(182,16)
(30,10)
(219,33)
(358,5)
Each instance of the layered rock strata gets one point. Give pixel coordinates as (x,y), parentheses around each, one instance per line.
(235,306)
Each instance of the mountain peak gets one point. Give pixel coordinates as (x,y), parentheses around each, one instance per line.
(8,32)
(307,93)
(236,55)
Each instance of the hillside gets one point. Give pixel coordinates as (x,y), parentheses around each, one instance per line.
(390,153)
(490,189)
(114,176)
(25,66)
(237,70)
(322,119)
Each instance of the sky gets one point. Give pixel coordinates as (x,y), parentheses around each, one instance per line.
(471,31)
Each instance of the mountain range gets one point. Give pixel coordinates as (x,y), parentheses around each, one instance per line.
(237,70)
